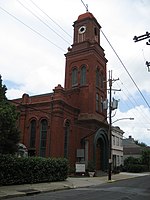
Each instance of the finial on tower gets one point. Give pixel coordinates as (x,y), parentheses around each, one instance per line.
(86,6)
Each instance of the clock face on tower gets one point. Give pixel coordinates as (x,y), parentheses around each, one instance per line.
(82,29)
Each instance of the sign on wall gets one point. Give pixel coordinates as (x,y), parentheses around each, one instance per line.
(80,167)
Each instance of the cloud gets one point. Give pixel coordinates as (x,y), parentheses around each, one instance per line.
(14,93)
(137,128)
(35,66)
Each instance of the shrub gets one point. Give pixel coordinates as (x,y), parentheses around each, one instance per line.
(15,170)
(91,166)
(146,158)
(136,168)
(117,169)
(132,160)
(132,164)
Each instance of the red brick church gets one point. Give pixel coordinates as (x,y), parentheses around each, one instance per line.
(71,122)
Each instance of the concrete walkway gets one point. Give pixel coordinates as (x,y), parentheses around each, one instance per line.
(70,183)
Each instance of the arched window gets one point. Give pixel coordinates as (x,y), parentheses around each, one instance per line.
(97,102)
(43,136)
(74,76)
(96,34)
(101,105)
(101,81)
(83,75)
(32,133)
(66,138)
(97,78)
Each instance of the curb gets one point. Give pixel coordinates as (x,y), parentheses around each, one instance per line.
(30,193)
(72,185)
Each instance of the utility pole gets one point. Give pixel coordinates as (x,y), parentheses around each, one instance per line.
(143,37)
(110,123)
(112,106)
(148,65)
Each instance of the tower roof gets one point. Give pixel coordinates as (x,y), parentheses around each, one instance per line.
(85,15)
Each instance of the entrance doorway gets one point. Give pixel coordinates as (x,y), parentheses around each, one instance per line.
(101,150)
(99,154)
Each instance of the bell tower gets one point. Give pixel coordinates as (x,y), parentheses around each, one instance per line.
(85,73)
(86,28)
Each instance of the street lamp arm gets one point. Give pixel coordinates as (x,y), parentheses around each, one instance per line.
(130,118)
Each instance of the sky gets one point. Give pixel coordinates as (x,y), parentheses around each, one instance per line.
(35,35)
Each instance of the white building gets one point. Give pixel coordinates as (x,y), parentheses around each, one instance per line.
(117,147)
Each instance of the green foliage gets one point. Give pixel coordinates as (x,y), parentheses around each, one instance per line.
(117,169)
(91,166)
(131,160)
(9,133)
(71,171)
(132,164)
(3,90)
(146,158)
(136,168)
(142,144)
(14,170)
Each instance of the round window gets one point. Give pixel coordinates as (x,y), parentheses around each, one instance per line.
(82,29)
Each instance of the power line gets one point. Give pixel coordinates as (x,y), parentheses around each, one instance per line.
(143,37)
(30,107)
(31,28)
(26,106)
(62,49)
(126,70)
(85,5)
(42,21)
(40,10)
(134,102)
(50,18)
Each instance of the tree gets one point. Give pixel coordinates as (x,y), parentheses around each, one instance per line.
(9,132)
(142,144)
(146,157)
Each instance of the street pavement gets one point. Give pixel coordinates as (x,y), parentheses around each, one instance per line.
(70,183)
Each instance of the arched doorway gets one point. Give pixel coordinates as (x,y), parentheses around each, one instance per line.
(101,150)
(99,154)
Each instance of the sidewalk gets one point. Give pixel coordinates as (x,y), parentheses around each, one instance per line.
(70,183)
